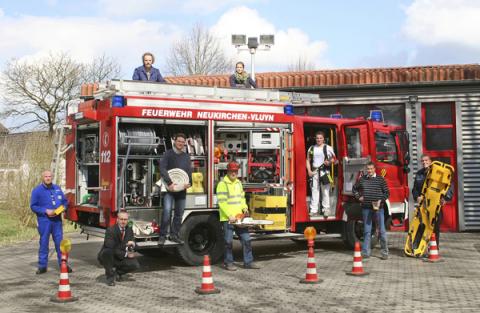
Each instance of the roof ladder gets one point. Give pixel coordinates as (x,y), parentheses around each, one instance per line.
(59,149)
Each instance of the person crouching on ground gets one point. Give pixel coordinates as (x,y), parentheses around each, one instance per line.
(231,200)
(116,255)
(371,190)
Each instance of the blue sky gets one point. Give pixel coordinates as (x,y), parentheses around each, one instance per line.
(329,34)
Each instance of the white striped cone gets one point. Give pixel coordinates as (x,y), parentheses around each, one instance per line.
(311,276)
(357,269)
(64,293)
(433,255)
(207,286)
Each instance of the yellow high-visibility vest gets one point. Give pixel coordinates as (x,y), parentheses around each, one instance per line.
(230,198)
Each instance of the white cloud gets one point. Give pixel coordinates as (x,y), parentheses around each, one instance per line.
(290,43)
(131,8)
(208,6)
(27,37)
(85,38)
(142,7)
(433,22)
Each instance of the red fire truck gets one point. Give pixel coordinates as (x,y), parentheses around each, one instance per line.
(119,134)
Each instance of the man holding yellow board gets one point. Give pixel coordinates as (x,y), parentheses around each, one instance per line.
(48,202)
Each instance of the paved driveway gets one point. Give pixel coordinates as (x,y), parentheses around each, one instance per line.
(399,284)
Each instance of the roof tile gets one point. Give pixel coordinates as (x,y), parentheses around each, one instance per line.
(363,76)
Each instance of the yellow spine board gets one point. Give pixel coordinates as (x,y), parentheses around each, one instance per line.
(436,185)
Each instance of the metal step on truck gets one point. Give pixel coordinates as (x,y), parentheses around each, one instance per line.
(120,132)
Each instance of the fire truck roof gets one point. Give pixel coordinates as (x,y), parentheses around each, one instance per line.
(149,89)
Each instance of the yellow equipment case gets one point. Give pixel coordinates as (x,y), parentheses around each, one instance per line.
(437,182)
(272,208)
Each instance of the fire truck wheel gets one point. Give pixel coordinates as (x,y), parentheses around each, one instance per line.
(203,235)
(353,231)
(388,222)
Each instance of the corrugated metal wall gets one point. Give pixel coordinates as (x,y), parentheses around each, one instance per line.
(470,136)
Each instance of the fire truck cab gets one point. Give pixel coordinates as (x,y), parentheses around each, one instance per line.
(120,133)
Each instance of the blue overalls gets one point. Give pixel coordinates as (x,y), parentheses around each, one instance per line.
(44,198)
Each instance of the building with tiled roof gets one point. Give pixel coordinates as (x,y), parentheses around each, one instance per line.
(345,77)
(438,105)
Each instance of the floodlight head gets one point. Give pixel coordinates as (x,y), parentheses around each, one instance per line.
(239,40)
(268,40)
(412,99)
(252,42)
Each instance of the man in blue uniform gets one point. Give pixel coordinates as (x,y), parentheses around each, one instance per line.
(46,198)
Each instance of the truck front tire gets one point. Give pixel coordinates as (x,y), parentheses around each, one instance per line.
(353,231)
(203,235)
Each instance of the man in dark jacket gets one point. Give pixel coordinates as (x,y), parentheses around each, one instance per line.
(176,195)
(371,190)
(240,78)
(418,181)
(147,72)
(116,255)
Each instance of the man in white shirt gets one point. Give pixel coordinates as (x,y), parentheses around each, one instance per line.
(319,157)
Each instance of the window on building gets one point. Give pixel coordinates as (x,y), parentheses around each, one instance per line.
(438,126)
(439,114)
(439,138)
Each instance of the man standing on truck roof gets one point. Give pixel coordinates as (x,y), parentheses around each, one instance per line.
(372,191)
(176,195)
(319,157)
(418,181)
(147,72)
(48,202)
(116,255)
(231,202)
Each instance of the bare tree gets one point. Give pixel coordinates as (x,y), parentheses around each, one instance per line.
(302,63)
(38,93)
(199,52)
(101,69)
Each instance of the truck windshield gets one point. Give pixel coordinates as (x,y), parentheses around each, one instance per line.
(386,147)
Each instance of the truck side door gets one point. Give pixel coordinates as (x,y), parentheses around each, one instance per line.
(356,153)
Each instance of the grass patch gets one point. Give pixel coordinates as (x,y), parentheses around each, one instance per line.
(12,230)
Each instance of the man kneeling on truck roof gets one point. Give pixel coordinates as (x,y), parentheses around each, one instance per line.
(117,255)
(231,200)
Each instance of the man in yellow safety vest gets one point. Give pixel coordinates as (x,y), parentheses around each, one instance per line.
(231,200)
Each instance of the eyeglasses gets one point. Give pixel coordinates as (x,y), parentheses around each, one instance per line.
(123,219)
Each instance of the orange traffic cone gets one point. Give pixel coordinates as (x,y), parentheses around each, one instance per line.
(433,255)
(64,293)
(207,286)
(357,269)
(311,276)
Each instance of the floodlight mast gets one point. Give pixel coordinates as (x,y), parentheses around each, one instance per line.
(266,42)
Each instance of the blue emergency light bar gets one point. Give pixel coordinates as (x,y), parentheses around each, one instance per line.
(336,115)
(288,109)
(118,102)
(376,115)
